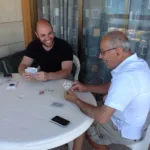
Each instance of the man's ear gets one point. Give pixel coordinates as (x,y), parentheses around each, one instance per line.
(36,34)
(119,51)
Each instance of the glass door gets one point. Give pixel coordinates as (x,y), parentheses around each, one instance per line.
(99,17)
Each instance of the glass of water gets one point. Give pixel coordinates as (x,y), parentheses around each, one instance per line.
(1,78)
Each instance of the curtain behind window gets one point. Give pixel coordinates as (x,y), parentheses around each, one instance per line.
(63,15)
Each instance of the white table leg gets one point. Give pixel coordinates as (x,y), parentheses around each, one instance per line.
(70,145)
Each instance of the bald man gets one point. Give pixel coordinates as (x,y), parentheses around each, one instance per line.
(53,55)
(122,118)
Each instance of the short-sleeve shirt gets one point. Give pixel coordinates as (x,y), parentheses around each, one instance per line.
(50,61)
(129,94)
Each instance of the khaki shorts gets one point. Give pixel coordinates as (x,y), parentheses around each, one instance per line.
(107,134)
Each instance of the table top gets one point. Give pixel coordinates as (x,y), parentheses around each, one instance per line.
(25,115)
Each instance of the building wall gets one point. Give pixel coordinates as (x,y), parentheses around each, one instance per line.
(11,27)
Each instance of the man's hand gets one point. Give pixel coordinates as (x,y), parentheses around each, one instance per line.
(77,86)
(70,96)
(41,76)
(27,76)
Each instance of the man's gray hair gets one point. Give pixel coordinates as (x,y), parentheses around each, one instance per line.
(118,39)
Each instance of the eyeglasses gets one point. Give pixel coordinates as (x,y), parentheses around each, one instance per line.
(104,51)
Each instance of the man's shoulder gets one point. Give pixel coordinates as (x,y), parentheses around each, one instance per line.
(135,76)
(61,42)
(35,43)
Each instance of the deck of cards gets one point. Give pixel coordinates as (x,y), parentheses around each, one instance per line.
(31,70)
(67,85)
(12,85)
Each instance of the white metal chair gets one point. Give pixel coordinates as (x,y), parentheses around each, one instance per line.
(143,144)
(77,64)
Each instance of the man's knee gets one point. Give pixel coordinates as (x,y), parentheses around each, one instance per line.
(95,145)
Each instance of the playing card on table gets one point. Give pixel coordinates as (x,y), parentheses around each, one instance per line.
(31,70)
(41,92)
(57,104)
(67,85)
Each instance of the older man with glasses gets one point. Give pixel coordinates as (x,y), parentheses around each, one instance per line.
(121,120)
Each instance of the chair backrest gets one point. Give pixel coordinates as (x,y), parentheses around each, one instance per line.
(77,64)
(143,144)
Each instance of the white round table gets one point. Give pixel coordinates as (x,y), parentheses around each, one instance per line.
(25,115)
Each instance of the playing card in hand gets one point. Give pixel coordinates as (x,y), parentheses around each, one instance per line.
(31,70)
(67,85)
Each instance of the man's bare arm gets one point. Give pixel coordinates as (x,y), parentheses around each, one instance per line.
(101,114)
(99,89)
(26,62)
(65,72)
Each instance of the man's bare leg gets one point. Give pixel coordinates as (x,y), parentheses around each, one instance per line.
(96,146)
(78,142)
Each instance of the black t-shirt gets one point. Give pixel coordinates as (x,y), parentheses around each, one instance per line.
(50,61)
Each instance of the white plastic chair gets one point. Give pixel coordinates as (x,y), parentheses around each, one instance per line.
(143,144)
(77,64)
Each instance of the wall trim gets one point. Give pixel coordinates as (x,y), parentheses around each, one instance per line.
(29,14)
(80,27)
